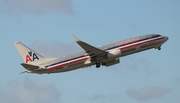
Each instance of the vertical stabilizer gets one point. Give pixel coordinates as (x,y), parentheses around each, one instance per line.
(27,54)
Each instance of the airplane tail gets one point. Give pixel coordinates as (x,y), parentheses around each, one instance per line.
(27,54)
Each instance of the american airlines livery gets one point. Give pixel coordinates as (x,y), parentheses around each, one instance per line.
(107,55)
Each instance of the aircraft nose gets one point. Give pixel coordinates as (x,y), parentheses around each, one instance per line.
(166,38)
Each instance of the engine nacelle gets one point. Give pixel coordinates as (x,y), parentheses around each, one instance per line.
(115,53)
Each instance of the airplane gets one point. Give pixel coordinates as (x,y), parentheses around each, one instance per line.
(107,55)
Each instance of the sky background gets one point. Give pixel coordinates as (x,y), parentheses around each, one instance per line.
(46,26)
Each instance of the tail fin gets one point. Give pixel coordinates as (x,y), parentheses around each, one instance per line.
(27,54)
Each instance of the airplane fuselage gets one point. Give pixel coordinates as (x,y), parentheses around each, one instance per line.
(114,52)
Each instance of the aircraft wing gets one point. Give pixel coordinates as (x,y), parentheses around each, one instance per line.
(90,50)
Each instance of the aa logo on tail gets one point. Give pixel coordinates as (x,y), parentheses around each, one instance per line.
(30,57)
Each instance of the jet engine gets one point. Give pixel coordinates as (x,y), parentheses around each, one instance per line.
(114,53)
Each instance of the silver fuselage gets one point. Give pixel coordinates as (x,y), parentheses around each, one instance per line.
(127,47)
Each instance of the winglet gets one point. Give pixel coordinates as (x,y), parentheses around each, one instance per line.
(75,38)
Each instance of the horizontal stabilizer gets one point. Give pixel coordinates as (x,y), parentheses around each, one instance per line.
(23,72)
(29,66)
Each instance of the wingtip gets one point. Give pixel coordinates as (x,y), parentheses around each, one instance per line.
(75,38)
